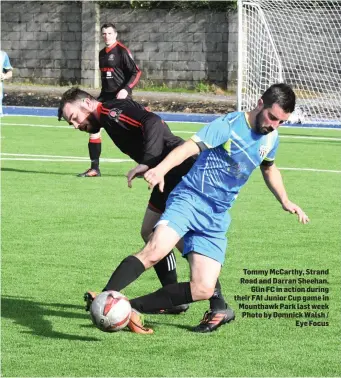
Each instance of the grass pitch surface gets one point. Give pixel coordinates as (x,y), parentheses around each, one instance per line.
(63,235)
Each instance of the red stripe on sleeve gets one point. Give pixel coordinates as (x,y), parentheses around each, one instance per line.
(101,109)
(137,78)
(129,120)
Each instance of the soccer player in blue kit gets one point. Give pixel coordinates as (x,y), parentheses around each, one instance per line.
(230,149)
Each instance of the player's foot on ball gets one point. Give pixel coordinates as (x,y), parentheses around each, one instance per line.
(180,309)
(214,319)
(136,323)
(89,296)
(90,173)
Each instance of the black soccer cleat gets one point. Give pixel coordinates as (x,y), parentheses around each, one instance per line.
(176,310)
(91,172)
(89,297)
(214,319)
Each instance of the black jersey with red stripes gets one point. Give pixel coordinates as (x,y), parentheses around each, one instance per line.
(118,69)
(140,134)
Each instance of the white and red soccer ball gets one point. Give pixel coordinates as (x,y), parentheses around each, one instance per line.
(110,311)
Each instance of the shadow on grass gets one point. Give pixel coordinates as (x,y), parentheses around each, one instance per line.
(55,173)
(30,171)
(33,315)
(162,321)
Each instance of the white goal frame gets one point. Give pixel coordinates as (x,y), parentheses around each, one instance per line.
(293,41)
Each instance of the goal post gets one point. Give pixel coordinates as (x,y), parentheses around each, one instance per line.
(293,41)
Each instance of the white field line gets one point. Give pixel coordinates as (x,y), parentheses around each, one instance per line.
(31,157)
(51,158)
(194,122)
(33,125)
(281,136)
(309,170)
(176,131)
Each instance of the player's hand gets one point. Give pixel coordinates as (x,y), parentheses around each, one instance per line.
(294,209)
(154,178)
(122,94)
(138,171)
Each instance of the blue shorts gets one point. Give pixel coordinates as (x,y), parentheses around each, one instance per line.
(193,218)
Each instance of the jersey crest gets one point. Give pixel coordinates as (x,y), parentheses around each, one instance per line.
(263,151)
(111,57)
(115,114)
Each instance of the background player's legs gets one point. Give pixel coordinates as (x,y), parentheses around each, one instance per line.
(95,148)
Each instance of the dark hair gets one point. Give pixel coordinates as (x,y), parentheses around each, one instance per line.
(280,94)
(70,96)
(108,25)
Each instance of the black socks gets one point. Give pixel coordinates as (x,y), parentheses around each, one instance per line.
(166,270)
(217,301)
(95,150)
(128,271)
(164,298)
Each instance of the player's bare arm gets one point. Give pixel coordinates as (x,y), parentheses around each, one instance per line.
(122,94)
(156,175)
(138,171)
(273,179)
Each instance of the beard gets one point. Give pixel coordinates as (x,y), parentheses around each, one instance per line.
(90,125)
(259,128)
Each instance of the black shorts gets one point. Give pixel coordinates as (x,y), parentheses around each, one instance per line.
(157,200)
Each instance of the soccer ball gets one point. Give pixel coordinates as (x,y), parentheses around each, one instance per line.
(110,311)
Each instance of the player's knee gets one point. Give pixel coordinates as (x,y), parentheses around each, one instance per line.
(151,254)
(201,291)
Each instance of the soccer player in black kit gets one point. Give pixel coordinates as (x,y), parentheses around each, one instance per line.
(147,139)
(119,75)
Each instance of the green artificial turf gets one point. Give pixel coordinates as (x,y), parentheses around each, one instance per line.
(63,235)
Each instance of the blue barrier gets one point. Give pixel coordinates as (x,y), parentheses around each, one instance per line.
(168,117)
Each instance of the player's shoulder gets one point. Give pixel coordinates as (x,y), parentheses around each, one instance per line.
(230,119)
(234,117)
(122,47)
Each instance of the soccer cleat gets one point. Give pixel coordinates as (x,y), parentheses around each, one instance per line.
(89,296)
(214,319)
(136,323)
(90,173)
(176,310)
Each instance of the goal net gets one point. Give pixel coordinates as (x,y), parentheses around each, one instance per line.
(297,42)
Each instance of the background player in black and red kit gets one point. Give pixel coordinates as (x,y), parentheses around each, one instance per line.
(147,139)
(119,75)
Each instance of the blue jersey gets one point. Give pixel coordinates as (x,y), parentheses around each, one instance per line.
(4,61)
(5,66)
(231,151)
